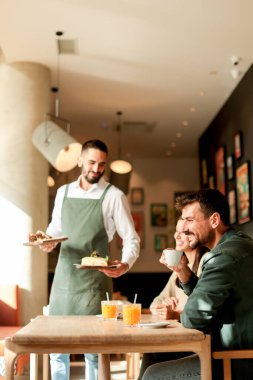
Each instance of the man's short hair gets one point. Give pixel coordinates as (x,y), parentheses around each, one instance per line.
(95,144)
(210,201)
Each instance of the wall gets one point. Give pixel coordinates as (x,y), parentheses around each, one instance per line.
(235,115)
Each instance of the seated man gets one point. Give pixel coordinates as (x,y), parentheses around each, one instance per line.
(170,302)
(221,300)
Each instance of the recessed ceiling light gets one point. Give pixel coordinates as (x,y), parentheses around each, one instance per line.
(179,135)
(192,109)
(185,123)
(173,145)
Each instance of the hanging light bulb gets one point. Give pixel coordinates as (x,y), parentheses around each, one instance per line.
(120,166)
(56,145)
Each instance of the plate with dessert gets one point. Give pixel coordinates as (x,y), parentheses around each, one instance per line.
(40,238)
(94,261)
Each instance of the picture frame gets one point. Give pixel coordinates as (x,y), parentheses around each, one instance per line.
(232,206)
(160,242)
(243,192)
(230,167)
(159,214)
(137,196)
(238,145)
(220,169)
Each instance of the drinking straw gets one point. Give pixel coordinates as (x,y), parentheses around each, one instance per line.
(107,296)
(135,297)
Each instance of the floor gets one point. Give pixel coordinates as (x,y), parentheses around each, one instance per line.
(77,370)
(118,370)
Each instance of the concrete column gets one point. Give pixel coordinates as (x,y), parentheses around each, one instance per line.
(24,99)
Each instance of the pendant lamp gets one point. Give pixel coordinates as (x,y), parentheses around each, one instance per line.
(120,166)
(56,145)
(53,142)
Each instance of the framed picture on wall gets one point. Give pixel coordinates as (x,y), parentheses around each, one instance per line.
(230,167)
(137,196)
(159,214)
(232,206)
(243,192)
(160,242)
(220,168)
(238,145)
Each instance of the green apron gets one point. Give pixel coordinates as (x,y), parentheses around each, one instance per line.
(80,291)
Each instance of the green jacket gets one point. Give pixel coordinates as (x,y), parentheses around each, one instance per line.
(221,300)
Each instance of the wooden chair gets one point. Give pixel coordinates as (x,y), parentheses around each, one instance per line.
(10,321)
(227,356)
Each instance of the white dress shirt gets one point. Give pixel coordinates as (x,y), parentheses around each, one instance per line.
(116,214)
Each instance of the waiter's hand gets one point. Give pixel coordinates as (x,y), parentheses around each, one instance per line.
(48,247)
(115,272)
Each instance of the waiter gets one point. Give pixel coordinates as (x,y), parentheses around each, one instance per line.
(88,211)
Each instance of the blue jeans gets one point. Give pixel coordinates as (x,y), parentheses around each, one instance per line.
(181,369)
(60,366)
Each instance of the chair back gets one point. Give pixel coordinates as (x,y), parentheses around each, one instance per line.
(9,305)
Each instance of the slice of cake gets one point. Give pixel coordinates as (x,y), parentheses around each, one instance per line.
(94,260)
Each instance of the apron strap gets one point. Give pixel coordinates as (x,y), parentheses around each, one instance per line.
(104,193)
(66,191)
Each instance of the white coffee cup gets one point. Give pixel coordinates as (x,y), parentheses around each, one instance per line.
(172,256)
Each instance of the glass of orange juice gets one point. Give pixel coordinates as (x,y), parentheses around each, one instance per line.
(131,314)
(109,309)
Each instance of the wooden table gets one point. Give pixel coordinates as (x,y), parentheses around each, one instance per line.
(91,334)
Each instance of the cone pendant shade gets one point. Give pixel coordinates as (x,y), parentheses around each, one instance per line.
(57,146)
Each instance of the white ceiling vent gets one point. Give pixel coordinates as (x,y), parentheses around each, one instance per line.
(138,126)
(67,46)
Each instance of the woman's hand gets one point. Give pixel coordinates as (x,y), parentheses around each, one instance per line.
(183,271)
(168,311)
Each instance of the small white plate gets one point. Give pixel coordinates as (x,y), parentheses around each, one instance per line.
(154,325)
(43,241)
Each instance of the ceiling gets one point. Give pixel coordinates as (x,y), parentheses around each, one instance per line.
(154,60)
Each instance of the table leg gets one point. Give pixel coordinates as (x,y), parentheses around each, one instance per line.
(104,371)
(34,366)
(45,366)
(9,356)
(205,359)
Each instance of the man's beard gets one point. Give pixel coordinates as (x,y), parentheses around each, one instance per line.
(93,179)
(196,241)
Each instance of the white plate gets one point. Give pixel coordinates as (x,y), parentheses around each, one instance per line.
(43,241)
(79,266)
(154,325)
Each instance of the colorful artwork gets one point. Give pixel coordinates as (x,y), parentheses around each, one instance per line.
(243,193)
(220,170)
(137,196)
(232,206)
(161,242)
(159,214)
(238,145)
